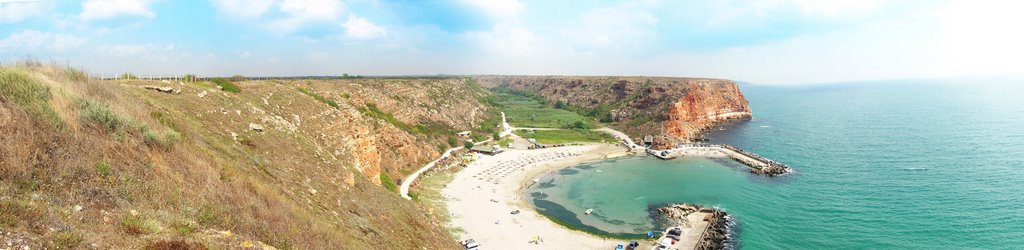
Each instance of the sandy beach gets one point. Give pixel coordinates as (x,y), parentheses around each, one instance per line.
(482,196)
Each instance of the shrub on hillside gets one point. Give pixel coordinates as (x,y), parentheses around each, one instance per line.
(467,144)
(453,142)
(388,183)
(104,169)
(18,87)
(167,140)
(102,115)
(318,97)
(227,85)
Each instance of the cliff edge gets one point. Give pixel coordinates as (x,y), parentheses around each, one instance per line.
(668,110)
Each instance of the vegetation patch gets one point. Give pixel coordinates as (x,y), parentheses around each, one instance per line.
(320,98)
(18,87)
(174,244)
(135,225)
(102,115)
(64,240)
(167,140)
(566,136)
(104,169)
(527,112)
(388,183)
(227,85)
(19,213)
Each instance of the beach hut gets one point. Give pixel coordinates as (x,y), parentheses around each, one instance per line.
(486,150)
(463,134)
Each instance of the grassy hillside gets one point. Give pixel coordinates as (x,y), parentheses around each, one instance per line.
(527,112)
(110,164)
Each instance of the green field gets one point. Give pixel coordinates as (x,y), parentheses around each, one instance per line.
(526,112)
(566,136)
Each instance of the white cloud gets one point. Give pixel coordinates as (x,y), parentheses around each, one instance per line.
(302,12)
(136,50)
(360,28)
(32,40)
(497,10)
(14,12)
(104,9)
(610,28)
(837,8)
(243,8)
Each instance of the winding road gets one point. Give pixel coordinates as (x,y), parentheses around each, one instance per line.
(507,131)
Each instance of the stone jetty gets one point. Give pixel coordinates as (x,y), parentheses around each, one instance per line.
(702,227)
(758,164)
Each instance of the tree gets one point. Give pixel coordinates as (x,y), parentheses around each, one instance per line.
(496,136)
(559,104)
(452,141)
(468,144)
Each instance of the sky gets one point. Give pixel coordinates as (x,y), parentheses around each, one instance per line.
(757,41)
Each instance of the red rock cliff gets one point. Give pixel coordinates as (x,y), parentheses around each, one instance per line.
(671,110)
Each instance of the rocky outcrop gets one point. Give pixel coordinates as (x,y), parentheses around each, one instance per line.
(672,110)
(716,236)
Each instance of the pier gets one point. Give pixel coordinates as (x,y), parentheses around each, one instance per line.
(756,163)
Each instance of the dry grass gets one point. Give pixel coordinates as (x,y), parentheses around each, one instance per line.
(179,168)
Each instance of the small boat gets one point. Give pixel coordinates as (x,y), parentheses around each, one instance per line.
(589,211)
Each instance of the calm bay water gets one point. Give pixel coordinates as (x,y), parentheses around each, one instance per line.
(894,165)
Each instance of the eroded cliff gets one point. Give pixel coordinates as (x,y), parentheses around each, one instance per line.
(671,110)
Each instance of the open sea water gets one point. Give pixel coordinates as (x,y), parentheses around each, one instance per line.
(885,165)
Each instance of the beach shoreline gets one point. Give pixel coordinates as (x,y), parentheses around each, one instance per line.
(481,198)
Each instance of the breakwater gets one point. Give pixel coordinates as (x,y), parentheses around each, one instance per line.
(757,164)
(702,227)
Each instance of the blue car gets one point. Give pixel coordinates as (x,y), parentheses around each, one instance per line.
(619,247)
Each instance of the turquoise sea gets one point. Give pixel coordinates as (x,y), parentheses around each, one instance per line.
(885,165)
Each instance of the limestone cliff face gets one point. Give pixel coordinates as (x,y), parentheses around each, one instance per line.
(410,120)
(671,110)
(705,104)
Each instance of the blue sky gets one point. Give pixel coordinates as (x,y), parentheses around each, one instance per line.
(760,41)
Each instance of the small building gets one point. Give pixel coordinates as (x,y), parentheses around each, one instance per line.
(486,150)
(463,133)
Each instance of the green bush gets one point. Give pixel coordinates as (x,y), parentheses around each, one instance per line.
(65,240)
(104,169)
(18,87)
(102,115)
(388,183)
(453,142)
(496,136)
(467,144)
(320,98)
(167,140)
(227,85)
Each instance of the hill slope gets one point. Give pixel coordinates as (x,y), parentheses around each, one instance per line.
(113,164)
